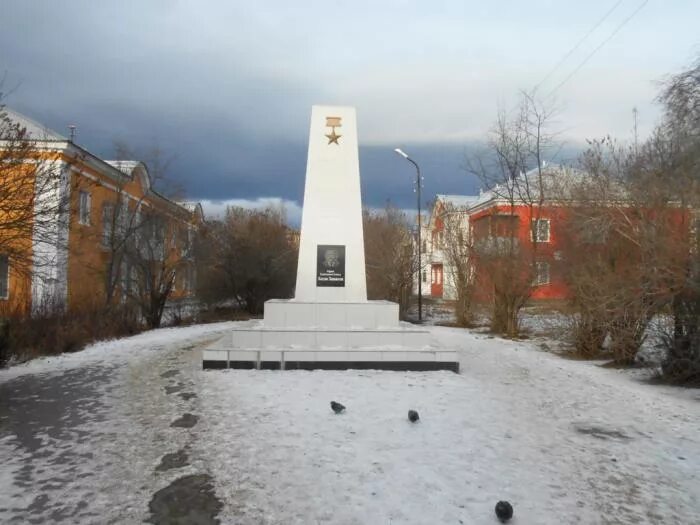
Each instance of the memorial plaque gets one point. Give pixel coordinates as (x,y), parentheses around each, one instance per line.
(330,265)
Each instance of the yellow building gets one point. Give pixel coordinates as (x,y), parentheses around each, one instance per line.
(100,232)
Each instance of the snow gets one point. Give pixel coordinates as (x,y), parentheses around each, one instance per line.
(119,350)
(511,426)
(564,441)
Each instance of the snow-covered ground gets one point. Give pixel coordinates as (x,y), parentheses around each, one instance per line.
(564,441)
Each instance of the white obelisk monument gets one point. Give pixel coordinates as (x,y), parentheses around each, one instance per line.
(332,213)
(330,323)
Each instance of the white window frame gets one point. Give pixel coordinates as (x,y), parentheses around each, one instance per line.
(542,273)
(535,232)
(5,276)
(84,207)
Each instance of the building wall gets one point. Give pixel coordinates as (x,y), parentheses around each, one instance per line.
(88,264)
(493,223)
(19,286)
(17,243)
(436,237)
(71,266)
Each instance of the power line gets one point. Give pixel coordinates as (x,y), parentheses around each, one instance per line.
(578,44)
(590,55)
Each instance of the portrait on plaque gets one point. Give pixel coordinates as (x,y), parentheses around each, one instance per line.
(330,265)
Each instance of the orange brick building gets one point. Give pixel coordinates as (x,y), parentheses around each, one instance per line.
(492,219)
(78,256)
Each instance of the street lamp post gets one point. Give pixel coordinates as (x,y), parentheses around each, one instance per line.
(420,259)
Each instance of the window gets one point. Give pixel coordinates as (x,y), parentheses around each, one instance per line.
(176,236)
(152,237)
(4,277)
(84,207)
(503,225)
(107,224)
(128,279)
(593,230)
(187,241)
(189,279)
(425,246)
(540,230)
(541,273)
(425,276)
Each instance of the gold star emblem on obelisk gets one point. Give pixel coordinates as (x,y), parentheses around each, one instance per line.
(333,137)
(333,122)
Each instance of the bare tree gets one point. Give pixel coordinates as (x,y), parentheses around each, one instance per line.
(33,196)
(250,256)
(390,258)
(458,249)
(145,238)
(677,145)
(154,260)
(625,243)
(512,168)
(123,219)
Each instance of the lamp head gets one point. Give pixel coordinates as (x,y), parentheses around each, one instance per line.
(400,152)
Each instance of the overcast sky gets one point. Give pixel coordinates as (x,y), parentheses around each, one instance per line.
(226,87)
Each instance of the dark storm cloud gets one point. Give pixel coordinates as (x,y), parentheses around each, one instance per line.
(226,87)
(387,176)
(232,130)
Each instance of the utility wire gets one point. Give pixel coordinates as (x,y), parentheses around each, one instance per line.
(590,55)
(578,44)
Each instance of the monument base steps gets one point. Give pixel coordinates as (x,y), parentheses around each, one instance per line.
(328,335)
(419,359)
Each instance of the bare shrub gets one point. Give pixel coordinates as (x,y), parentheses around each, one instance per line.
(458,250)
(54,331)
(250,256)
(390,260)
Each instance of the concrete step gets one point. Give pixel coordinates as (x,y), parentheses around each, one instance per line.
(399,358)
(311,338)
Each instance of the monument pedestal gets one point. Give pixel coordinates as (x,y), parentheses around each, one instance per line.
(309,335)
(281,313)
(330,323)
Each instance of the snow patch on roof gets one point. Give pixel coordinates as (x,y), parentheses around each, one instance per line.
(35,130)
(127,167)
(459,201)
(557,182)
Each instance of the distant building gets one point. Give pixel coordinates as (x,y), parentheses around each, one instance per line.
(487,221)
(436,268)
(74,253)
(535,225)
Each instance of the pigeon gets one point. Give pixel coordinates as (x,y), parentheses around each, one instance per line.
(337,407)
(504,511)
(413,416)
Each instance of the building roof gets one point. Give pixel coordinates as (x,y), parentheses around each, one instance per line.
(194,207)
(127,167)
(558,183)
(458,201)
(35,130)
(130,168)
(189,205)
